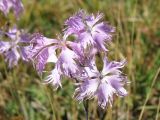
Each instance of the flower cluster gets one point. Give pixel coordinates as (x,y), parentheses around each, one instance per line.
(74,58)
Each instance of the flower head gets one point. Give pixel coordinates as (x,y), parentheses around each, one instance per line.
(102,84)
(88,30)
(11,49)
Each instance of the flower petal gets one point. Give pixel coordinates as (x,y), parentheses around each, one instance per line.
(117,82)
(54,79)
(12,57)
(66,62)
(41,59)
(112,67)
(105,94)
(86,90)
(52,54)
(4,46)
(91,20)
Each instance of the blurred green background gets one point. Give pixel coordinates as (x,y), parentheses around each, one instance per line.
(137,38)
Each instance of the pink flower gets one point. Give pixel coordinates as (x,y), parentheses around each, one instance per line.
(88,30)
(102,84)
(11,48)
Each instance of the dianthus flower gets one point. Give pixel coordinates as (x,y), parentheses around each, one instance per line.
(89,30)
(102,84)
(11,48)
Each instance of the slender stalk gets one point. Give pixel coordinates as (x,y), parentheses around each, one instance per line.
(50,101)
(19,100)
(149,93)
(102,113)
(158,108)
(86,106)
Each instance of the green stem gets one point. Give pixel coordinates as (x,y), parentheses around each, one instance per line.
(86,106)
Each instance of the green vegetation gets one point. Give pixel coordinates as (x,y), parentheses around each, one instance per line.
(137,38)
